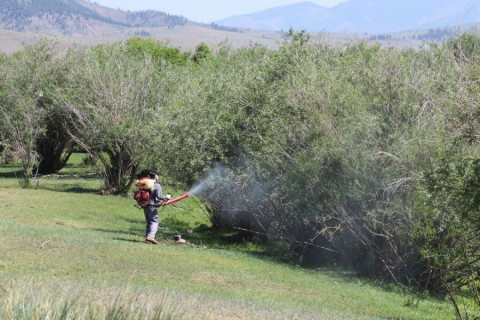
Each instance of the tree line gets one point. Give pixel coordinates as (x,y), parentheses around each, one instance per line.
(360,155)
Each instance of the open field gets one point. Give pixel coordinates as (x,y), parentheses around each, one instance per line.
(184,37)
(67,251)
(188,37)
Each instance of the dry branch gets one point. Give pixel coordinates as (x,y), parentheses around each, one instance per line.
(43,244)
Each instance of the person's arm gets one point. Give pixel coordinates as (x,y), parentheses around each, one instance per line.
(158,193)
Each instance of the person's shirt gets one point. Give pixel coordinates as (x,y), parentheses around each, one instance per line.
(157,194)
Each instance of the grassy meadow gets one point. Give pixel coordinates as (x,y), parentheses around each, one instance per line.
(67,252)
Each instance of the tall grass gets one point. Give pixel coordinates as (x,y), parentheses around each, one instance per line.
(56,301)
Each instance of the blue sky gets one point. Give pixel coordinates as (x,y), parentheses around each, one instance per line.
(205,11)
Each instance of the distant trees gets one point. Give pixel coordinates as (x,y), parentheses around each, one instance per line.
(225,28)
(142,33)
(202,51)
(151,18)
(436,35)
(159,53)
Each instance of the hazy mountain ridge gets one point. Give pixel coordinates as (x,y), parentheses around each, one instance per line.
(301,15)
(86,22)
(23,22)
(362,16)
(76,17)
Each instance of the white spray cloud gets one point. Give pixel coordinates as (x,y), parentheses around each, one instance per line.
(236,195)
(212,182)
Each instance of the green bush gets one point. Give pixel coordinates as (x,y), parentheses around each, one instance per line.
(139,47)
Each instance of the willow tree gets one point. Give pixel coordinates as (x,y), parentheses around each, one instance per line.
(34,88)
(114,112)
(31,105)
(449,231)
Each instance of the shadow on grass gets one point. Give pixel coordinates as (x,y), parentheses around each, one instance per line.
(58,183)
(69,189)
(133,235)
(204,236)
(82,183)
(201,235)
(11,174)
(9,171)
(130,240)
(81,190)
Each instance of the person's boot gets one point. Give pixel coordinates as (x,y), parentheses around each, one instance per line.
(151,240)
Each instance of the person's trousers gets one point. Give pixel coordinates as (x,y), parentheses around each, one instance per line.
(151,217)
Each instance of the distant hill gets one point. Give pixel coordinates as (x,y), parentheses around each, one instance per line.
(362,16)
(81,22)
(77,17)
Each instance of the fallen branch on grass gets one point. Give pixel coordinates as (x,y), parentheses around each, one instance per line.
(43,244)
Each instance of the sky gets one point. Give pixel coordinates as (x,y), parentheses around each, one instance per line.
(205,11)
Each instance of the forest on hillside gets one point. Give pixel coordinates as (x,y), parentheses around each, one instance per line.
(359,155)
(57,15)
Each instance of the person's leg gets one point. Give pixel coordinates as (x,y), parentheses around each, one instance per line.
(147,221)
(151,217)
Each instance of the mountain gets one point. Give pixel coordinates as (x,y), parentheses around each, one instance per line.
(76,17)
(362,16)
(304,15)
(83,22)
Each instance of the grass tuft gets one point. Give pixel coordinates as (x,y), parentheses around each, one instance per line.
(54,300)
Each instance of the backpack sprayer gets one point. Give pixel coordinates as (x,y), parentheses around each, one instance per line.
(143,195)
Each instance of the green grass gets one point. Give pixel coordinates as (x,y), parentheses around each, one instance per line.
(94,264)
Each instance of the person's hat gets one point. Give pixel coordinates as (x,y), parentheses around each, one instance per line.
(152,173)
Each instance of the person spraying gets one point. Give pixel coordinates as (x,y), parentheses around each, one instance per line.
(149,197)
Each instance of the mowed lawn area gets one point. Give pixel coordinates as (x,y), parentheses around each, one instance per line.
(68,252)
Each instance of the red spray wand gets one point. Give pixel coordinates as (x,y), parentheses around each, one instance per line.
(175,199)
